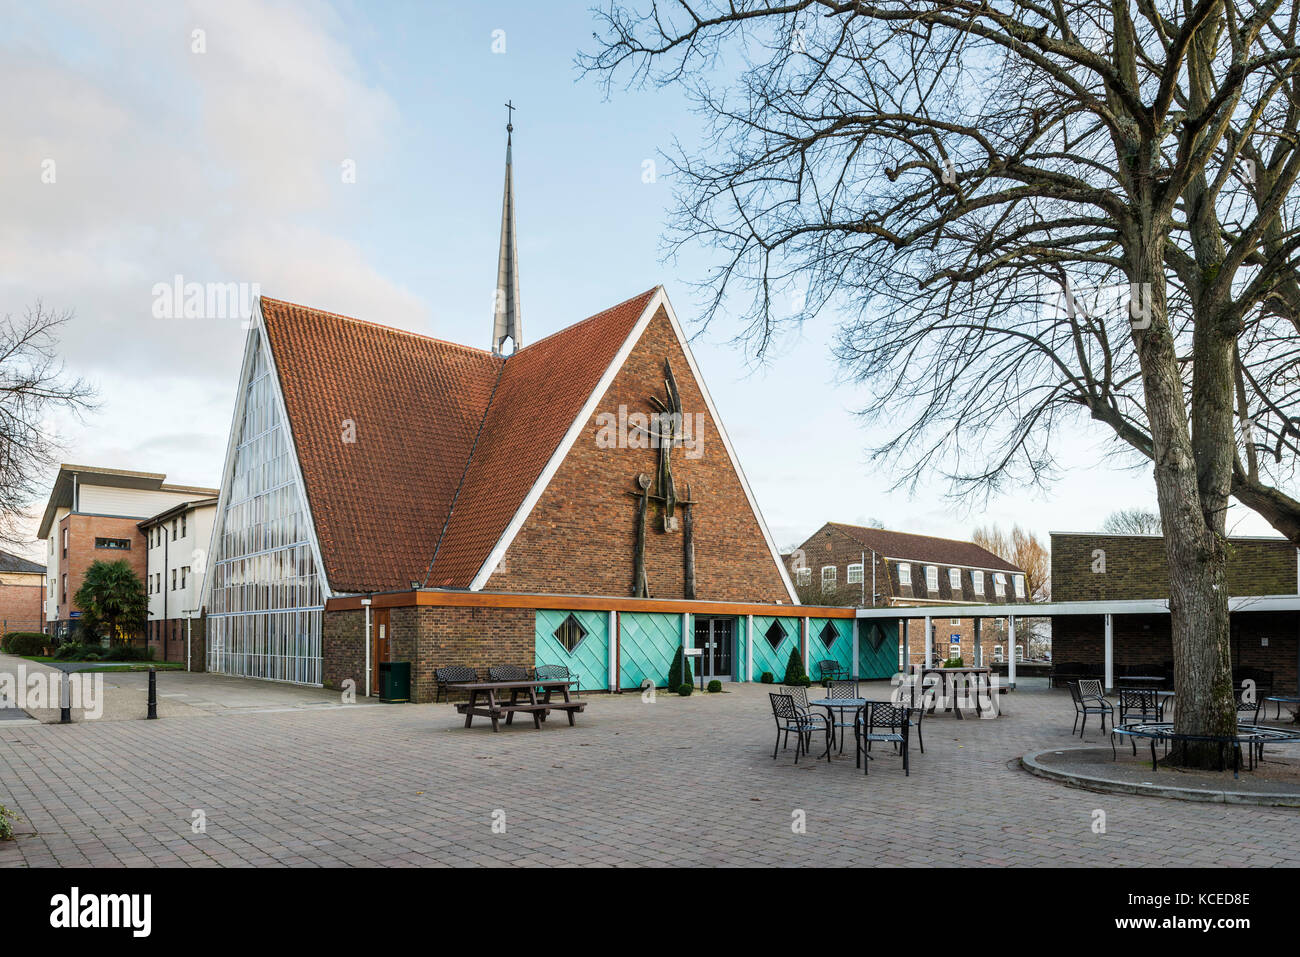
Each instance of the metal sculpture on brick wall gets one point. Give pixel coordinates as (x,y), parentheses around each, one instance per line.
(665,431)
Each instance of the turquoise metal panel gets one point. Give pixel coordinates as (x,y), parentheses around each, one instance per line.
(647,644)
(767,658)
(841,646)
(882,662)
(590,660)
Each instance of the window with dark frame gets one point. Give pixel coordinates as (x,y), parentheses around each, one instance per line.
(775,634)
(570,633)
(122,544)
(828,634)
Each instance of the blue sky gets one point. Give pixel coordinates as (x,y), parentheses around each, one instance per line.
(225,165)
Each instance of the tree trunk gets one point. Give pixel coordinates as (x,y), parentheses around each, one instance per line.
(1195,551)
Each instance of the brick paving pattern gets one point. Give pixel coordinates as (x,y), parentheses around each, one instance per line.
(677,782)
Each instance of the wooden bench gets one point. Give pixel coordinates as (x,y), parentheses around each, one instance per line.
(493,709)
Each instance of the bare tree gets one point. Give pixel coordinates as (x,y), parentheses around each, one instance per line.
(32,387)
(1033,212)
(1132,521)
(1021,548)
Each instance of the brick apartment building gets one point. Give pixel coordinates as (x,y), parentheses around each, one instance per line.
(873,567)
(22,594)
(1111,570)
(92,514)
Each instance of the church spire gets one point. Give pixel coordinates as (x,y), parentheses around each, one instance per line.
(507,323)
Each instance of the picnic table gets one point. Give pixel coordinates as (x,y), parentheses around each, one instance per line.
(483,700)
(948,685)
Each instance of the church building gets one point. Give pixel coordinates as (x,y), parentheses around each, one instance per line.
(572,501)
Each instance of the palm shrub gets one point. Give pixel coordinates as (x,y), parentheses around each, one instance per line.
(112,595)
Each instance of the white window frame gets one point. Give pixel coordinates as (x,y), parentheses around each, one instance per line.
(977,581)
(999,655)
(905,574)
(1019,582)
(932,578)
(853,574)
(831,581)
(955,622)
(999,585)
(954,579)
(803,575)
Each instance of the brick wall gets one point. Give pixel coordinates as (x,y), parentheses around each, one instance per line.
(580,536)
(1136,567)
(21,607)
(82,532)
(167,638)
(343,649)
(1145,640)
(429,638)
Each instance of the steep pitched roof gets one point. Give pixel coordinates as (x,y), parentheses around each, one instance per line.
(924,548)
(436,424)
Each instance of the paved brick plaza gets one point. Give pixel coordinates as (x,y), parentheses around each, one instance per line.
(677,782)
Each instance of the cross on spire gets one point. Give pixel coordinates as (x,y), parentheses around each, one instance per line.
(510,115)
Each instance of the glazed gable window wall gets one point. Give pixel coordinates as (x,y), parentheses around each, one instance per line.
(267,597)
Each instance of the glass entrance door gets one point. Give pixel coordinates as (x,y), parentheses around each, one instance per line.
(715,637)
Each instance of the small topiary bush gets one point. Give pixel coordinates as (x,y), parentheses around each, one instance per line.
(6,824)
(26,642)
(715,686)
(767,678)
(794,673)
(684,689)
(953,663)
(675,675)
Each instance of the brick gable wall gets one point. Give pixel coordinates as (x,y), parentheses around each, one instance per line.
(1136,567)
(580,536)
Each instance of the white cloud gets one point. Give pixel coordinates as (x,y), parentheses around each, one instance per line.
(220,167)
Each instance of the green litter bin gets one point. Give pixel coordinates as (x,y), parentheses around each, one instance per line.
(394,681)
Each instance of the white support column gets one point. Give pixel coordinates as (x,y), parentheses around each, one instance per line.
(613,650)
(929,642)
(853,671)
(803,628)
(366,603)
(1110,652)
(1011,656)
(749,647)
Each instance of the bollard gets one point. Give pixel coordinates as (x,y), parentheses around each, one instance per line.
(153,693)
(65,700)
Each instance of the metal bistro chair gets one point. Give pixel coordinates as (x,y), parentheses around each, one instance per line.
(790,717)
(450,675)
(1088,699)
(1140,704)
(1247,703)
(799,693)
(846,690)
(561,672)
(918,699)
(893,720)
(507,673)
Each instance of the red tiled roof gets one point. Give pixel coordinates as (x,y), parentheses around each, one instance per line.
(381,504)
(924,548)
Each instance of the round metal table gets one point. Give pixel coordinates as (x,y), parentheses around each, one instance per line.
(832,705)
